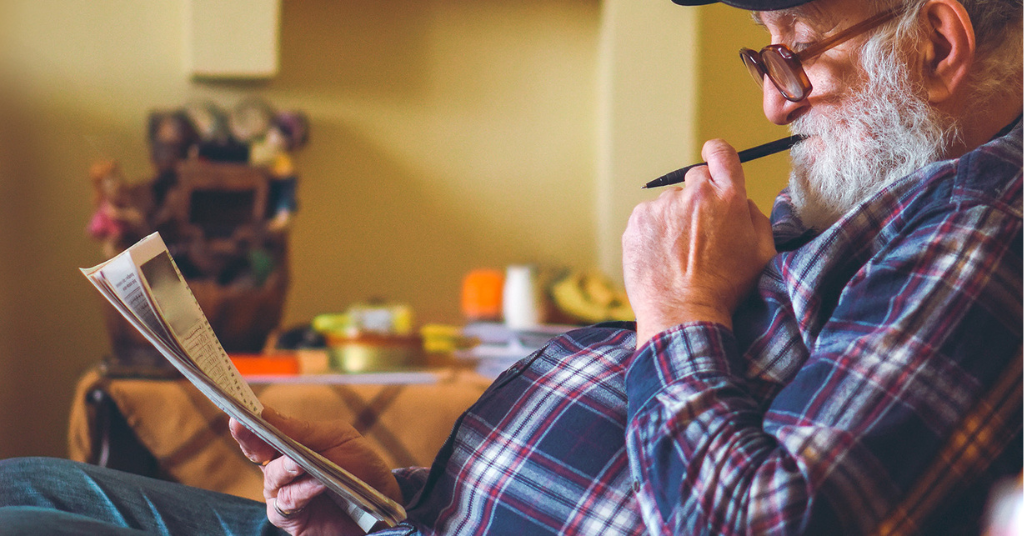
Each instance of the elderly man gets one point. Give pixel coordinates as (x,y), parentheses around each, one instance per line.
(851,366)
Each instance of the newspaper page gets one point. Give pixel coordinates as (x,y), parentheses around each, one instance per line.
(147,281)
(143,283)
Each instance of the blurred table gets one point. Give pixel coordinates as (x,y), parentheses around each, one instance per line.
(165,428)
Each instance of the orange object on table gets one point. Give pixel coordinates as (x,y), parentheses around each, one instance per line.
(482,294)
(265,365)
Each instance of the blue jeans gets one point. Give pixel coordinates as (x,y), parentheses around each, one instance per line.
(54,496)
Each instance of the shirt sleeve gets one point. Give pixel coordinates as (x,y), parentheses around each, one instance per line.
(921,333)
(410,481)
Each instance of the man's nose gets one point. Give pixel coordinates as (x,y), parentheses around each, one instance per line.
(778,109)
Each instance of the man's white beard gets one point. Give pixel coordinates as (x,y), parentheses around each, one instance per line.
(880,131)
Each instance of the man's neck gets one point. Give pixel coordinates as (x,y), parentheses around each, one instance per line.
(979,124)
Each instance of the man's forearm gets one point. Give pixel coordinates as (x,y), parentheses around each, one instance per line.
(696,441)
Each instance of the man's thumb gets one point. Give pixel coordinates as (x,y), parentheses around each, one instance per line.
(294,428)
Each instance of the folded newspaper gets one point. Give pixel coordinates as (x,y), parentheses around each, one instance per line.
(144,284)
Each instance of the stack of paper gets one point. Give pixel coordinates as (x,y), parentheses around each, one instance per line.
(501,347)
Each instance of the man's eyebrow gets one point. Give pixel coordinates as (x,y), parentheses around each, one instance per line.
(784,18)
(787,19)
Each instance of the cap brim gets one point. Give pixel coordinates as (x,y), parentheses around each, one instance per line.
(751,5)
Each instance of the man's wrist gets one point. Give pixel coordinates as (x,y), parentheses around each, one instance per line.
(646,328)
(681,352)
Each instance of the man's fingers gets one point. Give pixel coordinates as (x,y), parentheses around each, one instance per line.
(724,166)
(281,472)
(296,496)
(288,491)
(254,448)
(299,493)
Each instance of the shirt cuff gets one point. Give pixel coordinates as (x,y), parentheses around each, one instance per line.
(687,350)
(410,481)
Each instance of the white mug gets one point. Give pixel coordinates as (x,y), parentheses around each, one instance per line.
(520,298)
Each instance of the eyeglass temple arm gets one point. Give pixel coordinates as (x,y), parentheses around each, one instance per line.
(846,34)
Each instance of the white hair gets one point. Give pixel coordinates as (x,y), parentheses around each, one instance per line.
(882,129)
(997,72)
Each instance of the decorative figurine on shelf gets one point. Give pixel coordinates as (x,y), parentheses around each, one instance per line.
(209,121)
(171,137)
(250,120)
(288,133)
(117,223)
(215,141)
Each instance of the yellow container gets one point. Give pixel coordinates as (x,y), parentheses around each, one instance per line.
(371,353)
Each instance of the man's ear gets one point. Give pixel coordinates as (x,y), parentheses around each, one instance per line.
(947,52)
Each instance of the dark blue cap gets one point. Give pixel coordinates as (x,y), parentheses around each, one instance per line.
(752,5)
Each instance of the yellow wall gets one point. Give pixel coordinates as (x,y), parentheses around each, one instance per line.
(446,135)
(730,101)
(647,109)
(670,78)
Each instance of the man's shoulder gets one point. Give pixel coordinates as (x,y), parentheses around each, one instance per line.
(989,175)
(992,173)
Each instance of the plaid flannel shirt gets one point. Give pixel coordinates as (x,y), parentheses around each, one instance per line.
(871,384)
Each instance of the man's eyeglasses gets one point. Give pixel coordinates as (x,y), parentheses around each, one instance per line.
(782,66)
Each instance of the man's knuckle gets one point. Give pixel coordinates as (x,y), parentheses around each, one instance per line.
(699,191)
(285,497)
(696,175)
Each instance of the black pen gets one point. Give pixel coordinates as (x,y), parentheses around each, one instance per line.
(747,155)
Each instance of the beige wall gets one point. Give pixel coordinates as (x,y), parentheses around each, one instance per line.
(446,134)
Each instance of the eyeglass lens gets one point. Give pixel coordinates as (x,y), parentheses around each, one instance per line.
(753,64)
(781,67)
(786,73)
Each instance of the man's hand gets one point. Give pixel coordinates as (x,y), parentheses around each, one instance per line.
(694,253)
(286,486)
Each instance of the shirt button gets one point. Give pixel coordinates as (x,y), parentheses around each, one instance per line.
(636,486)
